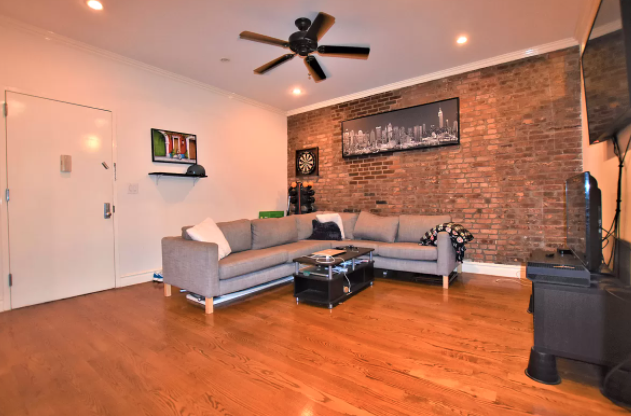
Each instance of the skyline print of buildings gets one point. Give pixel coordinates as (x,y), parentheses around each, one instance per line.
(428,125)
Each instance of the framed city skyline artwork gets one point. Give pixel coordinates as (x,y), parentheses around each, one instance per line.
(420,127)
(173,147)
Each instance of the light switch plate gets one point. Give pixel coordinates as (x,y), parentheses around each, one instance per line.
(65,163)
(132,188)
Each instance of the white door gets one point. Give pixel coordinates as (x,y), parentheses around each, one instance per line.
(60,242)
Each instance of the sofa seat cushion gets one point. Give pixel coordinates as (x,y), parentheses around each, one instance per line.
(304,247)
(408,251)
(237,264)
(360,243)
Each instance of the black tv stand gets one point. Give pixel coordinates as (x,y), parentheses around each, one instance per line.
(590,324)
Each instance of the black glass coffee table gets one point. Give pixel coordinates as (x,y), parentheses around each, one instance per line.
(329,283)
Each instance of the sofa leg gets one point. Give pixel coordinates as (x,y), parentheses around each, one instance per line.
(209,306)
(445,282)
(167,290)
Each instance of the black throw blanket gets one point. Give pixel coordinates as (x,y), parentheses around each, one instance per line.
(458,234)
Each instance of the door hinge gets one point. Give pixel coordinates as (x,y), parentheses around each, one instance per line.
(114,209)
(5,109)
(10,280)
(7,195)
(114,171)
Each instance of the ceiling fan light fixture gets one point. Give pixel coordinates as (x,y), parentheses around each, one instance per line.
(95,4)
(304,43)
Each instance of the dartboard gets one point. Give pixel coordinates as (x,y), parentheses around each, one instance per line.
(307,161)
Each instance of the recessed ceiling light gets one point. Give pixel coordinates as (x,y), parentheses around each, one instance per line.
(462,39)
(297,91)
(95,4)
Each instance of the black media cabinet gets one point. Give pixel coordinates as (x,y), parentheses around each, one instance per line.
(590,324)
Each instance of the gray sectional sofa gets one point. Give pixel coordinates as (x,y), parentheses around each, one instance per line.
(263,250)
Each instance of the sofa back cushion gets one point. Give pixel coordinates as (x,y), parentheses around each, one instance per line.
(349,219)
(271,232)
(412,227)
(238,233)
(376,228)
(304,224)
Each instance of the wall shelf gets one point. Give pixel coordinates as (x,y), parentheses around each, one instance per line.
(158,175)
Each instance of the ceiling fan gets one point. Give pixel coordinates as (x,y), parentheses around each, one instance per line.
(304,42)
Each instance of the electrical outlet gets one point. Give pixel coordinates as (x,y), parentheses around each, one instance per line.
(132,188)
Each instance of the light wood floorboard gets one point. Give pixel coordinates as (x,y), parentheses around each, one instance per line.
(398,348)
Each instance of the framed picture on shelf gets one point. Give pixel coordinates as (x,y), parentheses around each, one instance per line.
(424,126)
(173,147)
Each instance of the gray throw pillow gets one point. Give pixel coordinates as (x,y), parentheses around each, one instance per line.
(376,228)
(271,232)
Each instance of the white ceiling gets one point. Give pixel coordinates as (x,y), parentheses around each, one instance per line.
(408,38)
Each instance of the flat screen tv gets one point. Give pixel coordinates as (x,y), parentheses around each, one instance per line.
(584,220)
(606,64)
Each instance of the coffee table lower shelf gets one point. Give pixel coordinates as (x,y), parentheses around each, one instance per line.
(321,291)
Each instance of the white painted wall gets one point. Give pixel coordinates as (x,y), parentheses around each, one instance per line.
(242,146)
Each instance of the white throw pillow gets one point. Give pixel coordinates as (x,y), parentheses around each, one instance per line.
(208,232)
(334,218)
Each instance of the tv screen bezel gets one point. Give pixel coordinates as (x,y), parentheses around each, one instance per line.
(592,257)
(624,119)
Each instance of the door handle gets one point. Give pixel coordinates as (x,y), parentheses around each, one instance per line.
(107,213)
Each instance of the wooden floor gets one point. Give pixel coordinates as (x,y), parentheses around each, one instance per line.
(395,349)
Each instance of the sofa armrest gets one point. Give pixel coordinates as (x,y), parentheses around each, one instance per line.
(191,265)
(446,262)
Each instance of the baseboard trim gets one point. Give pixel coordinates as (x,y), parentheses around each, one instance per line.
(136,278)
(494,269)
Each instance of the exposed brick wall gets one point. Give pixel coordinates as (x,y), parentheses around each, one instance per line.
(520,139)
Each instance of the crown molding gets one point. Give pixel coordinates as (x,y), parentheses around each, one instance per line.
(584,22)
(10,23)
(602,30)
(484,63)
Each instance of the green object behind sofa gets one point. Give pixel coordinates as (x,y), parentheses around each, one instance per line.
(271,214)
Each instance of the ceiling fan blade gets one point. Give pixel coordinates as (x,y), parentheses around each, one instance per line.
(320,26)
(357,52)
(314,68)
(256,37)
(273,64)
